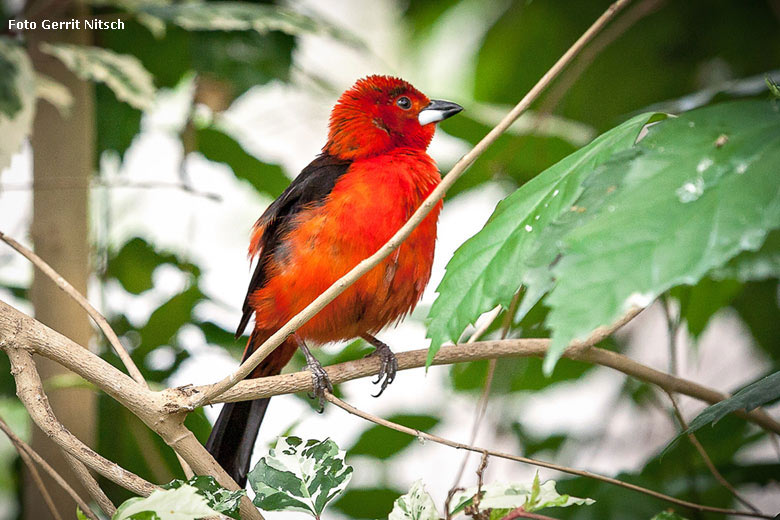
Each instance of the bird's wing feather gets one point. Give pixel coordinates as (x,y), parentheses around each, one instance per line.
(310,188)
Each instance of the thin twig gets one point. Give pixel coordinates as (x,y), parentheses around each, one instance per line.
(36,476)
(479,412)
(71,291)
(707,460)
(91,485)
(25,449)
(572,471)
(433,198)
(63,184)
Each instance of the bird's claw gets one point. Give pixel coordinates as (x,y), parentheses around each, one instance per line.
(320,383)
(388,366)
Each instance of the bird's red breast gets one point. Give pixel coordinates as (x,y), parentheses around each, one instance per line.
(374,172)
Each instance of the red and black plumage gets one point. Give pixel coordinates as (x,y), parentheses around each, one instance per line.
(372,175)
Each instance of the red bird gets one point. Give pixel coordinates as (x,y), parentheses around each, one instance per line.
(372,174)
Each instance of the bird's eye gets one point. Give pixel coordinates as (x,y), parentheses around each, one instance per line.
(404,103)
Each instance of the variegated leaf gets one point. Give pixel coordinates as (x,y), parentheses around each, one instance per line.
(122,73)
(300,475)
(504,497)
(417,504)
(17,99)
(183,503)
(54,92)
(243,16)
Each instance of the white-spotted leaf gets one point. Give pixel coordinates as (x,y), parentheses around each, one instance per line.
(243,16)
(504,497)
(183,503)
(417,504)
(122,73)
(300,475)
(17,99)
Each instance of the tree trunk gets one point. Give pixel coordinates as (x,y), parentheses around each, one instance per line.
(63,154)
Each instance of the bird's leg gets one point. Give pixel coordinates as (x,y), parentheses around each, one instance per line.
(320,381)
(388,363)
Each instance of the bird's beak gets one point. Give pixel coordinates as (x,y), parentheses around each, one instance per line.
(438,110)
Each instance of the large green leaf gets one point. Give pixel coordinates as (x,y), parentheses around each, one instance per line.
(299,475)
(17,99)
(515,247)
(122,73)
(619,222)
(694,193)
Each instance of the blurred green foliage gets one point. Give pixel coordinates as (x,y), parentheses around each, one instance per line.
(655,52)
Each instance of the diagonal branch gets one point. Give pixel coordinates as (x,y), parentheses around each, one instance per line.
(91,485)
(29,388)
(395,241)
(71,291)
(572,471)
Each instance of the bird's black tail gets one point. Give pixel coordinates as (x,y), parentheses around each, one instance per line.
(235,432)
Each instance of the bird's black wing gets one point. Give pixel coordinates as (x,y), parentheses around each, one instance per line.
(310,188)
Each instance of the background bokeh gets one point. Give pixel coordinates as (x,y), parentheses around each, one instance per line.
(177,187)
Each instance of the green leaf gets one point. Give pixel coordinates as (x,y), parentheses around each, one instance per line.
(17,99)
(216,145)
(758,393)
(774,88)
(218,498)
(134,264)
(183,503)
(122,73)
(509,496)
(80,514)
(602,229)
(299,475)
(700,302)
(383,443)
(757,265)
(681,185)
(489,267)
(417,504)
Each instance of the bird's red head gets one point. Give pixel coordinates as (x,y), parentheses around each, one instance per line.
(382,113)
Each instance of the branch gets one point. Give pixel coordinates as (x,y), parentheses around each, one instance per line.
(91,485)
(19,332)
(395,241)
(30,391)
(71,291)
(29,455)
(581,473)
(291,383)
(706,458)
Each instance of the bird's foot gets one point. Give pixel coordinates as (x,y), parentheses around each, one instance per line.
(319,377)
(388,364)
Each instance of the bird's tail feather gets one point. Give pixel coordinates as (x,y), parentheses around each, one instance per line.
(235,432)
